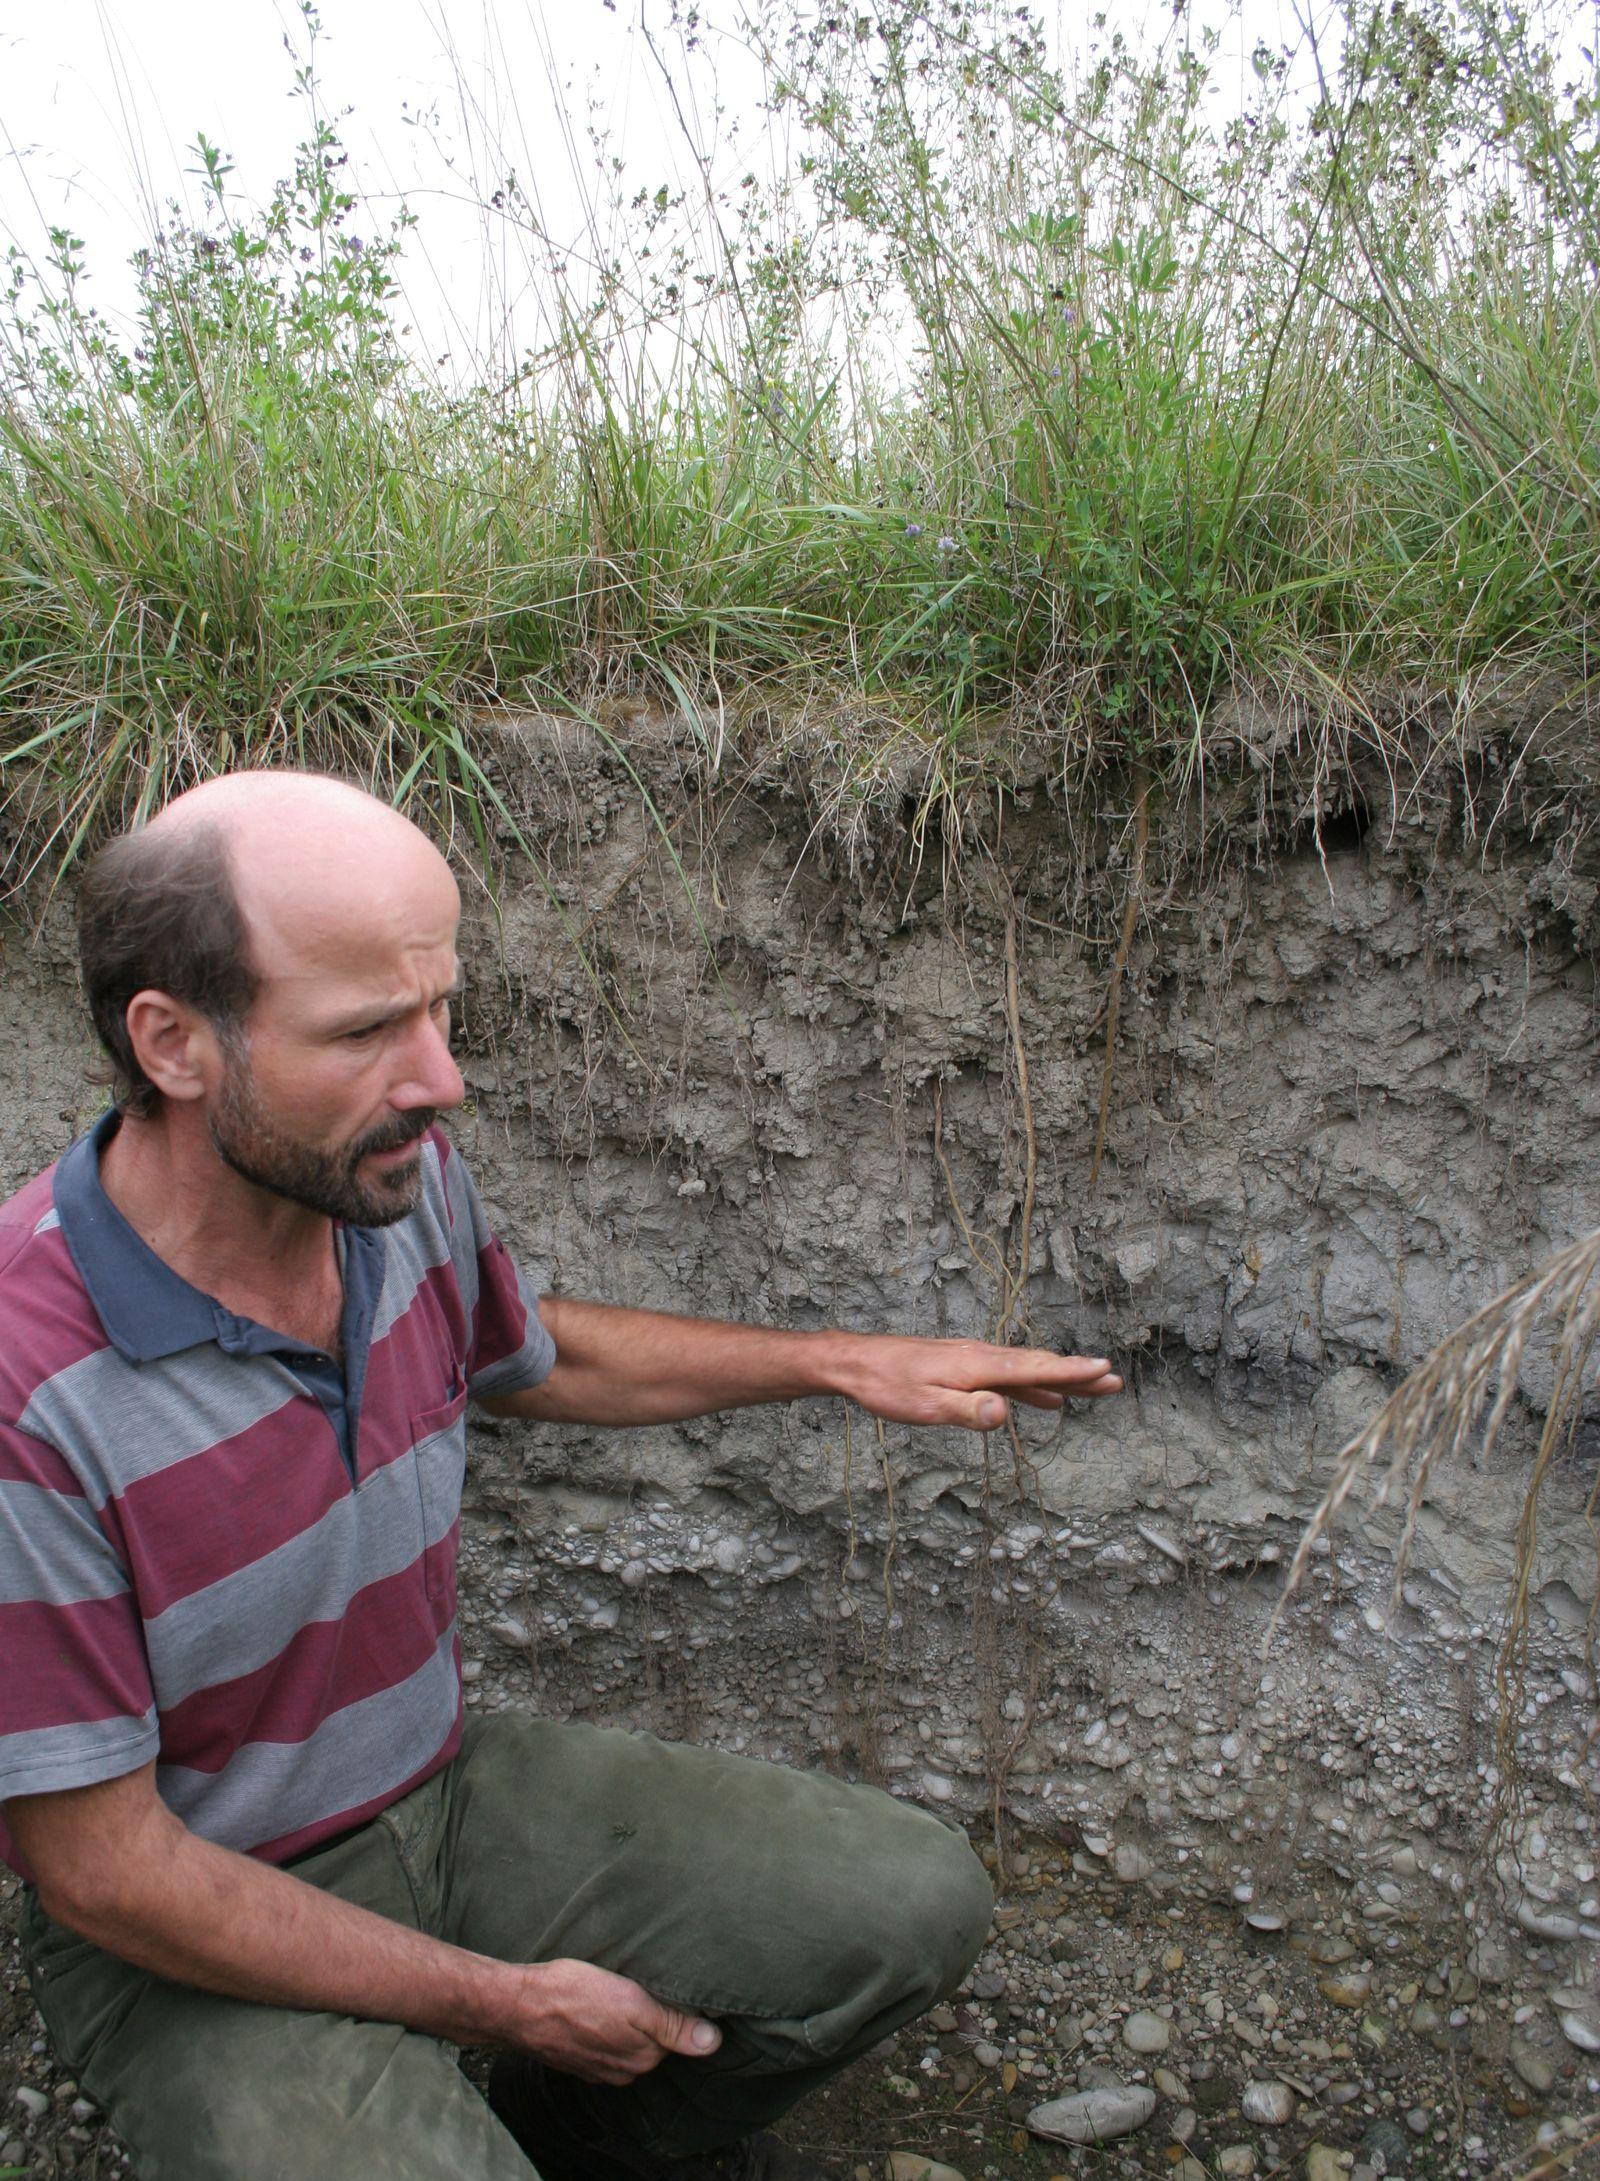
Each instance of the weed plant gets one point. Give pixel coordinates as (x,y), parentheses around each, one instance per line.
(1007,399)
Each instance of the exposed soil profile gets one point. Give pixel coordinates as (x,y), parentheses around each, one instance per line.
(725,1058)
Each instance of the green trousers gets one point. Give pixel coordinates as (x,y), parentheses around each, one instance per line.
(808,1918)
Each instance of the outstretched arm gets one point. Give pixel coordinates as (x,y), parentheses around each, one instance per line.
(643,1367)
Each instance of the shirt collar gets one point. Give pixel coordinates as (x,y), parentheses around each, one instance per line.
(150,1311)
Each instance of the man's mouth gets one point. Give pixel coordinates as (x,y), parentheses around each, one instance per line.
(398,1154)
(396,1144)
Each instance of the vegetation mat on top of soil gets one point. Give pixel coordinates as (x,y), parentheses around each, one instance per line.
(1003,395)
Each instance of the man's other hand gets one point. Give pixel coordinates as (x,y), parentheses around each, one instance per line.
(604,2028)
(967,1382)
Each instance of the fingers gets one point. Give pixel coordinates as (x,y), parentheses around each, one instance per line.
(1063,1374)
(688,2034)
(988,1407)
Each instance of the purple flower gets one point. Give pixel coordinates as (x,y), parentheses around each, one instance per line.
(913,530)
(948,545)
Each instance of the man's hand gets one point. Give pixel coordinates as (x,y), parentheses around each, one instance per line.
(966,1382)
(605,2028)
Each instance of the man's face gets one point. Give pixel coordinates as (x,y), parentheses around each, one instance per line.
(353,1181)
(345,1060)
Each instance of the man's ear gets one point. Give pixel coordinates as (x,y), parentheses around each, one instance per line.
(174,1044)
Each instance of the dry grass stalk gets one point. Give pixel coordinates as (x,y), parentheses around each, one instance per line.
(1455,1401)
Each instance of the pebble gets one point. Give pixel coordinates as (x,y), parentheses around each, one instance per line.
(1547,1923)
(1490,1961)
(1236,2162)
(1419,2120)
(1581,2028)
(912,2166)
(1130,1863)
(1190,2169)
(987,2055)
(1384,2147)
(1327,1950)
(35,2104)
(1094,2116)
(1170,2085)
(1323,2163)
(1273,2105)
(1146,2033)
(1533,2067)
(1347,1991)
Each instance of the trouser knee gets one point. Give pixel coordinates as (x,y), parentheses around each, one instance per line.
(938,1903)
(958,1910)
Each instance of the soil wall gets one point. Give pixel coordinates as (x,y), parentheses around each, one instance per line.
(724,1058)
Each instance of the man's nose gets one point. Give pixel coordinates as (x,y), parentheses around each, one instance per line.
(431,1077)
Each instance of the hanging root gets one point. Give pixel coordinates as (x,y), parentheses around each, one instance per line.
(1016,1276)
(1130,920)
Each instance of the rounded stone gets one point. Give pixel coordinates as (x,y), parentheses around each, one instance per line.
(1581,2028)
(1094,2116)
(1269,2104)
(1386,2147)
(1146,2033)
(912,2166)
(1533,2067)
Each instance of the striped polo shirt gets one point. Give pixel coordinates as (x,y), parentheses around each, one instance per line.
(220,1550)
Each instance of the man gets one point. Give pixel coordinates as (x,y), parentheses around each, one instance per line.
(273,1870)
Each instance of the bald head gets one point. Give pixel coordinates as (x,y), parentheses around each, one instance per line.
(244,881)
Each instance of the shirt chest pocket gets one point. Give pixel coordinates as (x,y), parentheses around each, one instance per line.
(439,1444)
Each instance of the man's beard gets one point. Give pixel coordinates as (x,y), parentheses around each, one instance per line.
(322,1179)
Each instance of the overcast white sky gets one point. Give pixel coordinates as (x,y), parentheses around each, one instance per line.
(100,101)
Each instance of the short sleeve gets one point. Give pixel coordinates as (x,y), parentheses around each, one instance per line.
(76,1705)
(508,1348)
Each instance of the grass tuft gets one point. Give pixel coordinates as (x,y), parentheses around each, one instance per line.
(1000,396)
